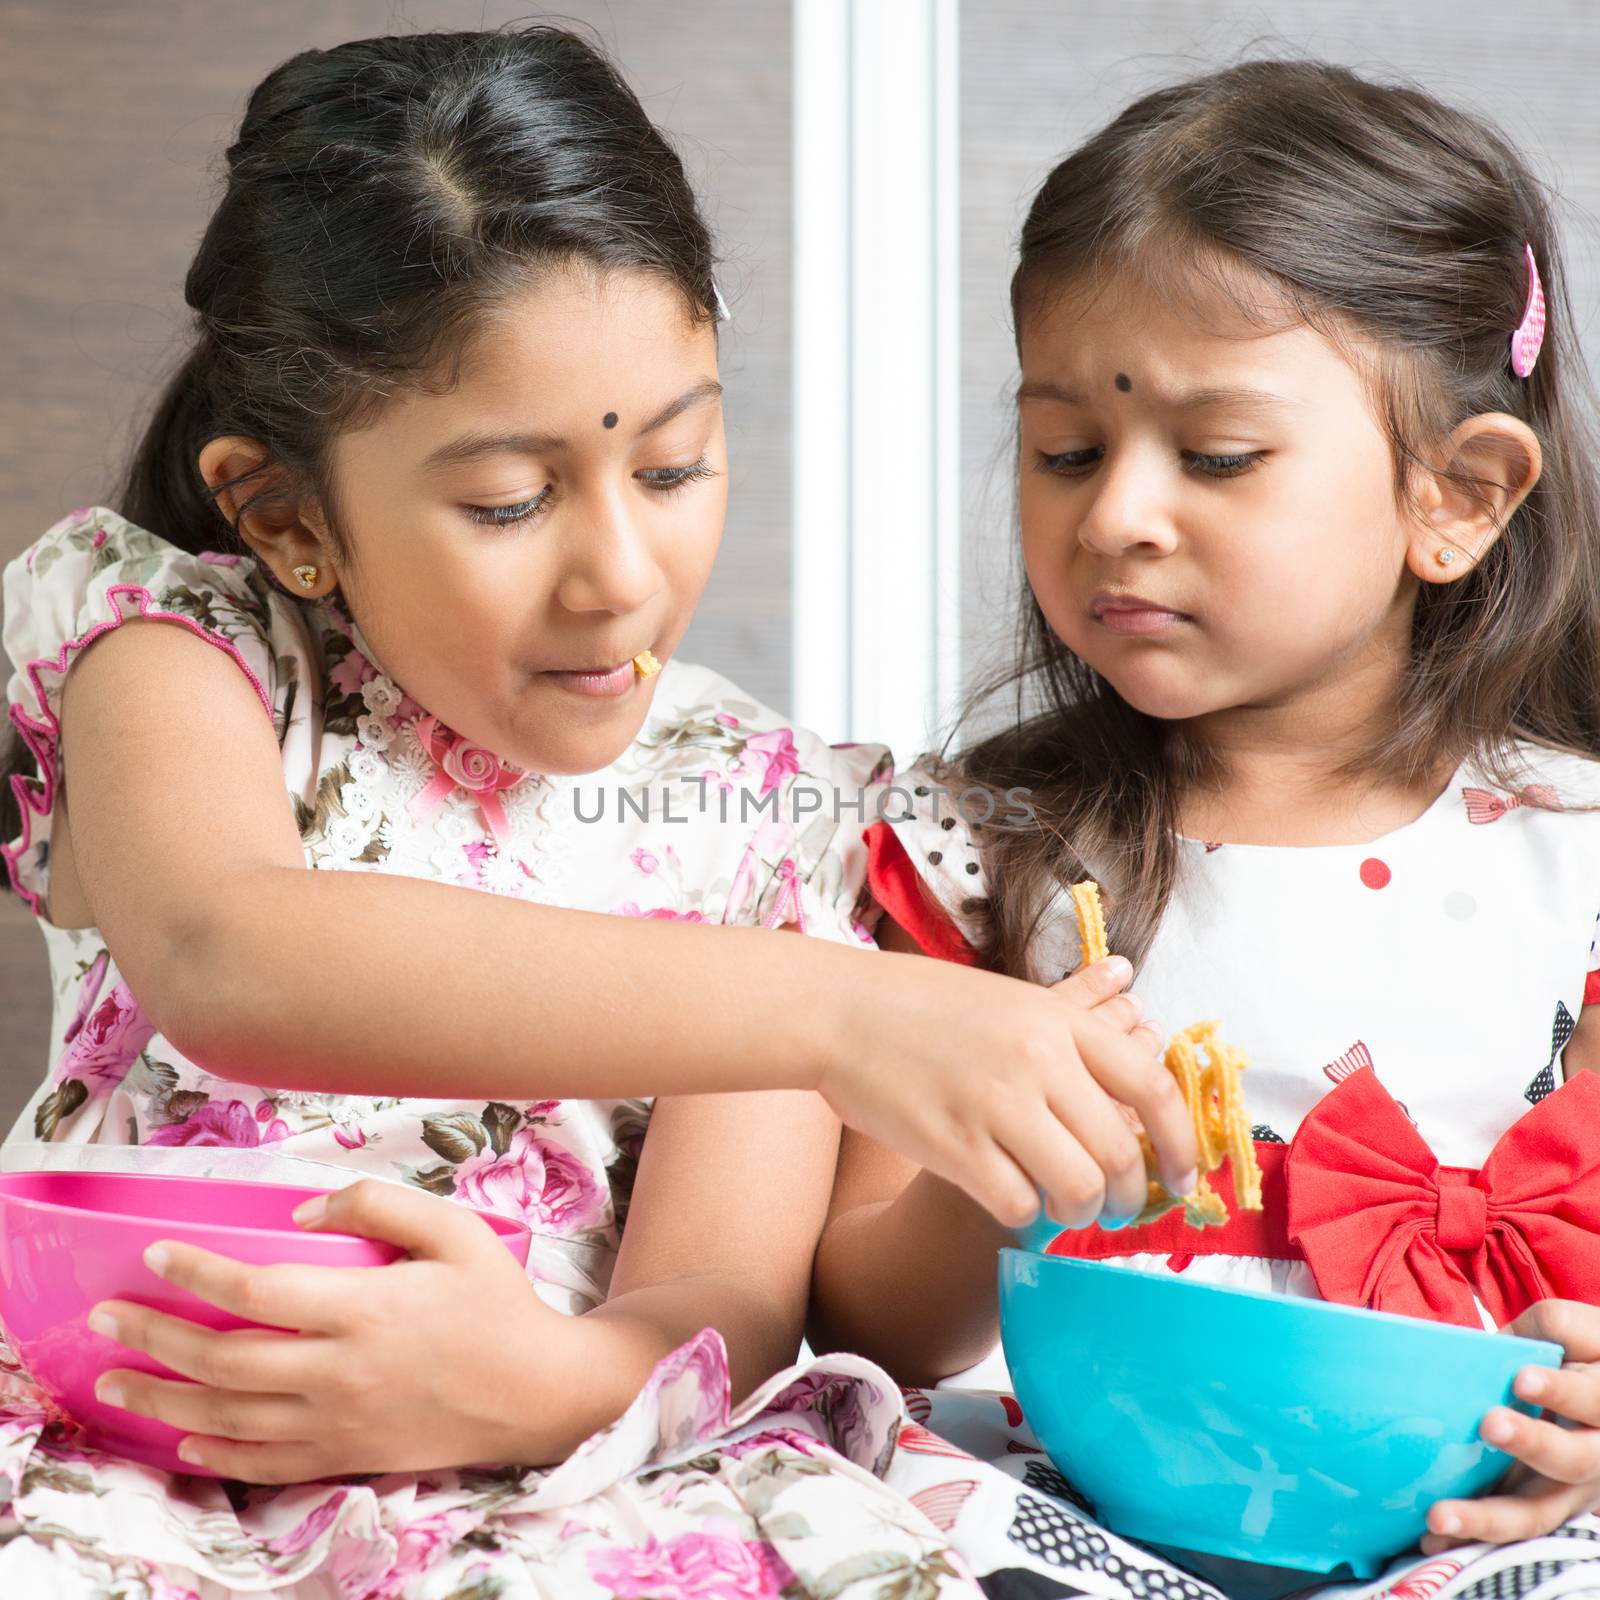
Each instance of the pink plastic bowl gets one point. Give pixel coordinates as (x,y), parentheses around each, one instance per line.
(69,1240)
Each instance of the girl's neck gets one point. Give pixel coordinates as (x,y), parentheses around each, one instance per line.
(1292,774)
(1267,801)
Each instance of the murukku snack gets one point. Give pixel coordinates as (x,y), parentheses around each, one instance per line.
(1091,921)
(1207,1073)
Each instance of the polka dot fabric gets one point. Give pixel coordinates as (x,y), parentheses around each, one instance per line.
(1450,957)
(930,819)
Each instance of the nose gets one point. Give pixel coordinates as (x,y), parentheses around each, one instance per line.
(609,565)
(1127,514)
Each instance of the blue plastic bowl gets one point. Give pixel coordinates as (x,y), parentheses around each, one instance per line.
(1262,1427)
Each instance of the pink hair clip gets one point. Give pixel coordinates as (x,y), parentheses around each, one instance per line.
(1529,337)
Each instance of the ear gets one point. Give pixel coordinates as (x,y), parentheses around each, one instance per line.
(284,530)
(1453,528)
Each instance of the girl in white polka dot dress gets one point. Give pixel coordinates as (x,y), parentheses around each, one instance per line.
(1312,636)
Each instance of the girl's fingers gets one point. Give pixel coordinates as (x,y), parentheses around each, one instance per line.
(195,1409)
(1570,1392)
(250,1462)
(1073,1185)
(1102,988)
(299,1298)
(1568,1323)
(1564,1455)
(1126,1070)
(995,1182)
(1102,1129)
(1537,1507)
(248,1359)
(1124,1012)
(1091,986)
(423,1225)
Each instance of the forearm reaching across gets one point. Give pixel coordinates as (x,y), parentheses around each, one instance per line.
(384,985)
(379,984)
(905,1269)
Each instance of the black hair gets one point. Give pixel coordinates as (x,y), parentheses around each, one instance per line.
(383,199)
(1399,227)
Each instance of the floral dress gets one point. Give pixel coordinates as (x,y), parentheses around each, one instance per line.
(692,822)
(829,1483)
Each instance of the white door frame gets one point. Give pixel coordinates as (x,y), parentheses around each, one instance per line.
(875,610)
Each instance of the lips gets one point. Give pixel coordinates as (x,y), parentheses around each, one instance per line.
(1101,604)
(604,682)
(1132,614)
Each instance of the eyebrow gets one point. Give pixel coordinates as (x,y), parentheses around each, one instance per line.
(1237,398)
(473,446)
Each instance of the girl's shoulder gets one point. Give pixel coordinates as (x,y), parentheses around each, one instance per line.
(94,555)
(86,576)
(697,712)
(94,571)
(1555,792)
(927,849)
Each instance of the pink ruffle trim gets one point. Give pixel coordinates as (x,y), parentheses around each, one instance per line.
(43,736)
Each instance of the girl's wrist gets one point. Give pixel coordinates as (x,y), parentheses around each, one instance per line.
(566,1387)
(824,1026)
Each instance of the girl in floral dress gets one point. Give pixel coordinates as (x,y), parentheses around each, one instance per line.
(1308,515)
(429,501)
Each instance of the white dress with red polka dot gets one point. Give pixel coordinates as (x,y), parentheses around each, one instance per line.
(1449,956)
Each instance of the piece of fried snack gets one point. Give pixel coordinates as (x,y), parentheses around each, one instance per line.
(1091,921)
(1207,1074)
(646,664)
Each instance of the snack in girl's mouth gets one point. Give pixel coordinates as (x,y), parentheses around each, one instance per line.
(1209,1083)
(646,664)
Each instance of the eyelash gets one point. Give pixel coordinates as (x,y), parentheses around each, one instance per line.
(661,480)
(1064,466)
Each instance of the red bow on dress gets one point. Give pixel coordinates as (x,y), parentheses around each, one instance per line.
(1484,805)
(1382,1224)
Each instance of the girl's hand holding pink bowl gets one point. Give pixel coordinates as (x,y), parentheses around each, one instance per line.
(386,1368)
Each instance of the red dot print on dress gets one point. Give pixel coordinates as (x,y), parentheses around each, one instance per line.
(1374,873)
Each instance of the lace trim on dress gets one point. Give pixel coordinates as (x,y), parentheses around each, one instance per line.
(364,813)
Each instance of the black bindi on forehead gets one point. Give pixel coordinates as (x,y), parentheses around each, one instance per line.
(1124,382)
(609,420)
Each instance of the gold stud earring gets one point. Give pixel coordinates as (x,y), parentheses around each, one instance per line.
(1444,557)
(307,576)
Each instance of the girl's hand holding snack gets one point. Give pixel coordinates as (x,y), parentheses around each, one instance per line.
(1007,1089)
(386,1369)
(1558,1455)
(889,1218)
